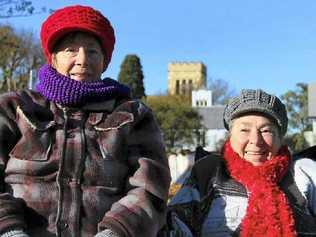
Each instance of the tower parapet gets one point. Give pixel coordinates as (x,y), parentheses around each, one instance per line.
(183,77)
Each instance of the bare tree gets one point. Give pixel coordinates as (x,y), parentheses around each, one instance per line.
(131,74)
(19,53)
(221,91)
(18,8)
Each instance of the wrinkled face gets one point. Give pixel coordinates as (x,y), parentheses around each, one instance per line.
(255,138)
(79,56)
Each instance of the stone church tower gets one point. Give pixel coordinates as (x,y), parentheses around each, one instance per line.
(183,77)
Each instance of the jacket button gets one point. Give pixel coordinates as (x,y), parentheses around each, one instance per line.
(70,135)
(63,225)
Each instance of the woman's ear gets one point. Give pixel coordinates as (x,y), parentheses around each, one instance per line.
(105,64)
(53,60)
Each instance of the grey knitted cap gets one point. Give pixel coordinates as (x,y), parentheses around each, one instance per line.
(256,101)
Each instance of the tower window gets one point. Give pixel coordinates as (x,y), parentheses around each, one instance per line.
(183,87)
(177,87)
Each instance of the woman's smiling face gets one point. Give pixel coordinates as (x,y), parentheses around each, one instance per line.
(80,57)
(255,138)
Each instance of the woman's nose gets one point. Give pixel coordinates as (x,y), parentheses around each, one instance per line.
(82,58)
(255,137)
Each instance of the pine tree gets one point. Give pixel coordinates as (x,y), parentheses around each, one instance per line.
(131,74)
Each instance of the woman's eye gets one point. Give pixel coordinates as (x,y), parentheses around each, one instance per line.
(93,51)
(244,130)
(267,131)
(70,50)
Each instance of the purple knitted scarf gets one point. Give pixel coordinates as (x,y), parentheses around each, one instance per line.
(66,91)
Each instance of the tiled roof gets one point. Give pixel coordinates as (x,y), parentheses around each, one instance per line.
(212,117)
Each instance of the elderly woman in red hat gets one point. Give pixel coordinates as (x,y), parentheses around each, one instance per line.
(254,188)
(79,157)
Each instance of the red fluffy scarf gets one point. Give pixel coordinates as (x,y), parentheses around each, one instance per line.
(268,212)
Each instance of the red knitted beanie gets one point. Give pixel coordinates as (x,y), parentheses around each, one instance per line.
(77,18)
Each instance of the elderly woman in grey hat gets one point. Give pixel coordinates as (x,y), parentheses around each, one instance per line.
(254,187)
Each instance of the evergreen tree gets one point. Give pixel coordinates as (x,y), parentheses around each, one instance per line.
(177,119)
(296,102)
(131,74)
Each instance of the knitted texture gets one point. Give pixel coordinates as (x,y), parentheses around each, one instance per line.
(14,233)
(66,91)
(77,18)
(268,211)
(106,233)
(256,101)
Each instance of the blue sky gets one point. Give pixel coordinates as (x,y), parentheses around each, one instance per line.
(266,44)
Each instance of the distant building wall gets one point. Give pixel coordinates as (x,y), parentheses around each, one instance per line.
(310,136)
(183,77)
(214,132)
(214,139)
(32,79)
(312,100)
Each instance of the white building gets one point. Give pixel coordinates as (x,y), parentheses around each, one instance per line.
(310,136)
(201,98)
(212,119)
(180,167)
(32,79)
